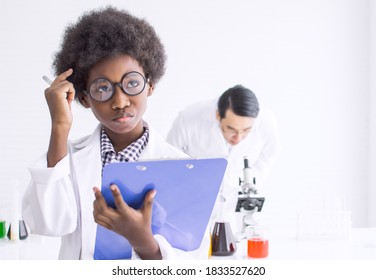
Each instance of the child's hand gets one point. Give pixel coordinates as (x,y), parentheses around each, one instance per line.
(59,97)
(134,225)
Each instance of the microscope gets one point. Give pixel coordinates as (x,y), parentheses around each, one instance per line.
(248,201)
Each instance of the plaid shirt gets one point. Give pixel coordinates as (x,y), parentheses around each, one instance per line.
(130,153)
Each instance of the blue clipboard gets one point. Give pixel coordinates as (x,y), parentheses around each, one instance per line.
(186,192)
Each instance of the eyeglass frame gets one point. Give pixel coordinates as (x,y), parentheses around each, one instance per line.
(234,132)
(120,84)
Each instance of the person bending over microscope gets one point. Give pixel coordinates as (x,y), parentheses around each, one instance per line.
(233,127)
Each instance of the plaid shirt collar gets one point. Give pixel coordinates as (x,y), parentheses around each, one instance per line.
(129,154)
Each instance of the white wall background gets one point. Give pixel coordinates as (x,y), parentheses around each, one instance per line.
(372,119)
(307,60)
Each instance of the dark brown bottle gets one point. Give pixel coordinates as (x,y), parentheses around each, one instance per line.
(223,242)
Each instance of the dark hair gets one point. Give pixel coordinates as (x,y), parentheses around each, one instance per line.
(104,33)
(240,100)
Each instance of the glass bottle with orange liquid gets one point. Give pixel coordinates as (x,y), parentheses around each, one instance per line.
(258,243)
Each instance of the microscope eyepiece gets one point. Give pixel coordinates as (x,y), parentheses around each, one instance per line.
(246,162)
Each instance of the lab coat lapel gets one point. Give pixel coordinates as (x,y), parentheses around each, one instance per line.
(87,162)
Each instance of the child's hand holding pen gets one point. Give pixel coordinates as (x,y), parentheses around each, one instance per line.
(59,97)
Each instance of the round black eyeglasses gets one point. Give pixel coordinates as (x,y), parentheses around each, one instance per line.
(132,83)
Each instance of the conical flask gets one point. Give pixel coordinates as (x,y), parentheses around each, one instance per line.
(223,242)
(222,239)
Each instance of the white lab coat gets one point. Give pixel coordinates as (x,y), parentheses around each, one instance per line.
(59,200)
(197,132)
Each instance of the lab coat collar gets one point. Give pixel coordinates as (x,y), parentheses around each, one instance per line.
(92,139)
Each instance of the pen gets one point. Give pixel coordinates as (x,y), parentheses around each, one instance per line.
(47,80)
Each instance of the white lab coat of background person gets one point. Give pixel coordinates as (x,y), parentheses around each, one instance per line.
(197,132)
(59,200)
